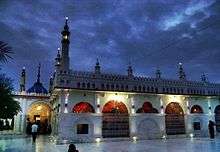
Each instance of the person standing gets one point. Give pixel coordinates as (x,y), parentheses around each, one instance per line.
(211,129)
(34,129)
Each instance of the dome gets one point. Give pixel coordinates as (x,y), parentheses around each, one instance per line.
(37,88)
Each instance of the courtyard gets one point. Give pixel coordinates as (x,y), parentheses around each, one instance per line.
(45,144)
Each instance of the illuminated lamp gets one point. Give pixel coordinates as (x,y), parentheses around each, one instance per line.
(98,140)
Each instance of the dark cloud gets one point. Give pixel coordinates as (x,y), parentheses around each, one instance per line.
(147,33)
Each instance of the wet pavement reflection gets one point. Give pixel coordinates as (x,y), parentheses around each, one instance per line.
(46,144)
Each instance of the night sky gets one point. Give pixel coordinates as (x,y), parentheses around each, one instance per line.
(149,34)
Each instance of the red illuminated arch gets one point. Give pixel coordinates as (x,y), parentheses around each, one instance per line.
(114,107)
(147,108)
(174,108)
(83,107)
(196,109)
(174,119)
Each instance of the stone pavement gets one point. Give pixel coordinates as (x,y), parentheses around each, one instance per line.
(43,144)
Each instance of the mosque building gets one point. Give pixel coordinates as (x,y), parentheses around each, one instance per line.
(95,106)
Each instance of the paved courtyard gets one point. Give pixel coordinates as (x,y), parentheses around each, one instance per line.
(170,145)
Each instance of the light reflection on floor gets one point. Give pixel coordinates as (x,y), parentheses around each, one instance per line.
(43,144)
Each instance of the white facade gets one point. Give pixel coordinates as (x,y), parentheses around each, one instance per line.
(87,106)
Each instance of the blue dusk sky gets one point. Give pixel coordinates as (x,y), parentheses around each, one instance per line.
(147,33)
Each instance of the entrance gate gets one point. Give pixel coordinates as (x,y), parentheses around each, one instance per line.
(115,121)
(174,119)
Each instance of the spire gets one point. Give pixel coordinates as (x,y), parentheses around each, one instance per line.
(182,75)
(38,73)
(158,73)
(130,70)
(66,27)
(204,78)
(97,67)
(23,80)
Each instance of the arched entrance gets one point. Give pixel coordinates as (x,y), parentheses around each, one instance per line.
(217,118)
(115,121)
(174,119)
(39,112)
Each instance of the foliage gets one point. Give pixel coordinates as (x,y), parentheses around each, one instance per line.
(8,106)
(5,52)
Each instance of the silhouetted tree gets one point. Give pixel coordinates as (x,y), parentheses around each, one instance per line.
(8,106)
(5,52)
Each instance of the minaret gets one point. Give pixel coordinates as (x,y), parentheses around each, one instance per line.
(158,73)
(38,73)
(130,71)
(97,67)
(204,78)
(23,80)
(57,60)
(65,47)
(51,84)
(182,75)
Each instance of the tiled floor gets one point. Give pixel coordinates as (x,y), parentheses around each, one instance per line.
(169,145)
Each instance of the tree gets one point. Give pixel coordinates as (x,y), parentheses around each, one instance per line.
(8,106)
(5,52)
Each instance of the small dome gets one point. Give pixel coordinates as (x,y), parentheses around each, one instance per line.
(37,88)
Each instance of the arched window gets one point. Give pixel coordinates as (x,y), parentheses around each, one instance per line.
(78,85)
(83,107)
(144,88)
(196,109)
(83,85)
(93,85)
(122,87)
(103,86)
(152,89)
(139,88)
(135,88)
(107,86)
(112,86)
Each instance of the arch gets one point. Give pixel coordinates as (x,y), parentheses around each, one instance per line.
(174,108)
(217,118)
(174,119)
(148,129)
(114,107)
(196,109)
(39,112)
(115,120)
(147,108)
(83,107)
